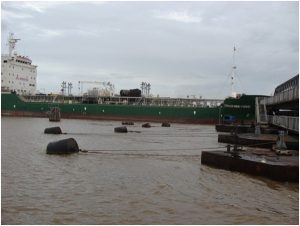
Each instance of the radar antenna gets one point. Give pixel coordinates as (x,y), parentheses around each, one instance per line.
(12,43)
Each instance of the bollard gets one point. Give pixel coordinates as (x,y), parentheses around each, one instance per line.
(257,130)
(228,148)
(53,130)
(280,143)
(61,147)
(122,129)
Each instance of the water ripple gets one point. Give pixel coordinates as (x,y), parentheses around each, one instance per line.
(151,177)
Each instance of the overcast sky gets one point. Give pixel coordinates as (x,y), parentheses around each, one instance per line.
(180,48)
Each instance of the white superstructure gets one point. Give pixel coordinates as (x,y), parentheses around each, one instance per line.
(17,72)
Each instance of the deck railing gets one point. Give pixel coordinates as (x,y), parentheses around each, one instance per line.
(153,101)
(287,122)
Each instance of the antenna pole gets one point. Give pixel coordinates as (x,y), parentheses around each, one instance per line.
(233,94)
(12,43)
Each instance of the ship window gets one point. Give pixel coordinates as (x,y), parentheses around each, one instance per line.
(4,61)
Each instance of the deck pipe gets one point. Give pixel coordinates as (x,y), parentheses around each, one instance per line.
(61,147)
(53,130)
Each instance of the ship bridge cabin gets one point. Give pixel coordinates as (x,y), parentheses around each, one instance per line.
(18,75)
(17,72)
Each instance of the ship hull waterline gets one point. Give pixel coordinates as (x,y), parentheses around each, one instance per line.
(154,119)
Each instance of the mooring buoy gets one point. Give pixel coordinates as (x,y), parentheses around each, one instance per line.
(165,124)
(122,129)
(53,130)
(146,125)
(128,123)
(61,147)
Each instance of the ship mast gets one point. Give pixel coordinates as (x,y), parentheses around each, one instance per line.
(12,43)
(233,93)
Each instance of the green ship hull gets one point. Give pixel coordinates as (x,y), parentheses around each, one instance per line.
(242,108)
(13,105)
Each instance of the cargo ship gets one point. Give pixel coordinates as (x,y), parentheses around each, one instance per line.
(19,98)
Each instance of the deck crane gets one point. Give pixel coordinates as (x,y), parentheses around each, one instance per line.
(108,86)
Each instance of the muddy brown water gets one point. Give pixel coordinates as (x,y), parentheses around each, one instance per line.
(149,176)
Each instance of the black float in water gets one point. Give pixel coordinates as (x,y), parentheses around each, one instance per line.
(128,123)
(53,130)
(122,129)
(146,125)
(165,124)
(61,147)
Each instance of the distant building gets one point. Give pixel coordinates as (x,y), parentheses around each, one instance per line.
(17,73)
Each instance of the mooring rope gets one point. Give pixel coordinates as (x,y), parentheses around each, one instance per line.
(143,154)
(149,150)
(161,150)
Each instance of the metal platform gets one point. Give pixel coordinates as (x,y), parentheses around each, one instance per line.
(262,140)
(258,162)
